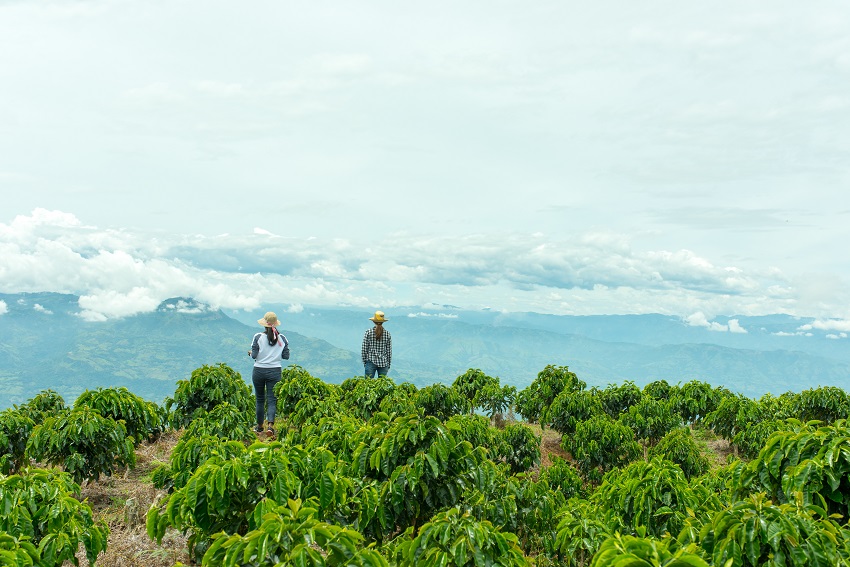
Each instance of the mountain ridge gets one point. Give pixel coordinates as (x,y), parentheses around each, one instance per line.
(46,343)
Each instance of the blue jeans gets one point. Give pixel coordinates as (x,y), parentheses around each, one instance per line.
(371,369)
(264,381)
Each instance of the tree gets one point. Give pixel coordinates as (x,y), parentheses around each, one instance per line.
(533,402)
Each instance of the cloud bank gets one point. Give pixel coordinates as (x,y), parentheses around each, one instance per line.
(120,273)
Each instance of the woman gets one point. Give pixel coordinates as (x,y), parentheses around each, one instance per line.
(267,350)
(377,349)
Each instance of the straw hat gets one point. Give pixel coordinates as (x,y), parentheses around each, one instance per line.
(379,317)
(269,320)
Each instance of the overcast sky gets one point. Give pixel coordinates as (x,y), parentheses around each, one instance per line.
(564,157)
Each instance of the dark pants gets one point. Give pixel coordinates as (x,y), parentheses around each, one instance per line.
(264,381)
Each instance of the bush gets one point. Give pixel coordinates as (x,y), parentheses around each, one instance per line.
(654,495)
(455,539)
(206,388)
(291,535)
(814,461)
(571,408)
(475,429)
(143,420)
(563,477)
(679,447)
(650,419)
(15,429)
(41,505)
(84,442)
(618,398)
(601,444)
(519,447)
(400,400)
(533,402)
(622,550)
(441,401)
(363,396)
(297,384)
(189,454)
(224,421)
(826,404)
(46,403)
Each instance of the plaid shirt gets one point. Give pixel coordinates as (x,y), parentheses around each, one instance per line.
(378,352)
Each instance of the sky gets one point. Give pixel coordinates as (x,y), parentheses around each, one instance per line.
(560,157)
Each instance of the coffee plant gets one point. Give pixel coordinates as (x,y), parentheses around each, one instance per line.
(601,444)
(86,444)
(143,420)
(15,429)
(207,387)
(533,402)
(292,535)
(679,447)
(519,447)
(456,539)
(41,509)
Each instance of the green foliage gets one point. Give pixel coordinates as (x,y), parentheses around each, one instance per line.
(826,404)
(533,402)
(654,495)
(633,551)
(650,419)
(363,396)
(679,447)
(571,408)
(207,387)
(471,383)
(475,429)
(455,539)
(755,532)
(222,494)
(45,404)
(297,384)
(441,401)
(15,429)
(601,444)
(39,505)
(618,398)
(659,389)
(695,400)
(537,508)
(582,529)
(733,415)
(484,392)
(563,477)
(190,453)
(418,465)
(85,443)
(751,441)
(814,461)
(519,447)
(143,420)
(292,535)
(17,552)
(400,400)
(224,421)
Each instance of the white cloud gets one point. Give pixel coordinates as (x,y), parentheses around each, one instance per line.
(828,325)
(735,326)
(699,319)
(836,336)
(42,309)
(3,307)
(437,315)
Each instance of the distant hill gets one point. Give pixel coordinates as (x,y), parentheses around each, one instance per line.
(44,343)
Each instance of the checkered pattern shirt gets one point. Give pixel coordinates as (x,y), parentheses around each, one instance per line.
(378,352)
